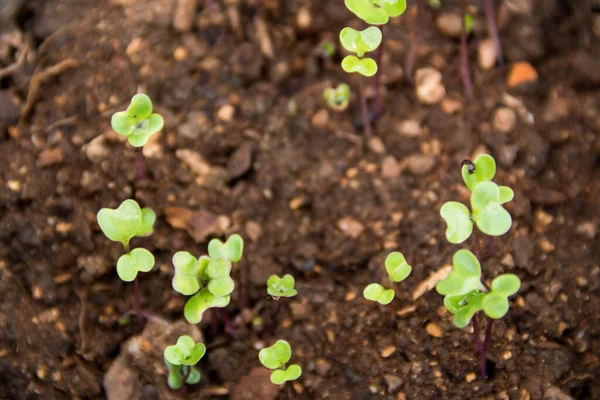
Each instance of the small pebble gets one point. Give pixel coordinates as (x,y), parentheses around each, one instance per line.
(470,377)
(388,351)
(451,106)
(320,119)
(434,330)
(429,87)
(350,227)
(409,128)
(505,120)
(546,246)
(486,52)
(520,73)
(449,24)
(226,112)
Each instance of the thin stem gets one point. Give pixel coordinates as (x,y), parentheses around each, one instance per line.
(274,318)
(492,27)
(188,371)
(139,164)
(478,344)
(377,80)
(485,348)
(365,110)
(136,299)
(464,53)
(415,30)
(225,318)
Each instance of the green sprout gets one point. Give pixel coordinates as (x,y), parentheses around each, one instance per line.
(398,270)
(337,98)
(376,12)
(276,358)
(327,49)
(121,225)
(465,294)
(181,359)
(138,122)
(487,199)
(360,42)
(208,278)
(281,287)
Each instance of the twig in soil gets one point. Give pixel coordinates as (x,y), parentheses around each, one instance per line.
(492,27)
(39,79)
(415,31)
(81,321)
(377,80)
(365,111)
(19,62)
(464,52)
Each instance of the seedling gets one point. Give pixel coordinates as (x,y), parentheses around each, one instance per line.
(121,225)
(398,270)
(337,98)
(281,287)
(327,49)
(276,358)
(487,199)
(138,122)
(181,359)
(207,278)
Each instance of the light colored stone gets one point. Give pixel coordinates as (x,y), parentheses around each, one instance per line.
(429,87)
(96,150)
(434,330)
(420,164)
(449,24)
(409,128)
(486,54)
(184,15)
(50,157)
(226,113)
(350,227)
(320,119)
(505,120)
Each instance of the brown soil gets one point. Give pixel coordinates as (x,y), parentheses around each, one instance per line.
(284,172)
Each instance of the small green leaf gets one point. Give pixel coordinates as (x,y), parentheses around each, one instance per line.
(218,268)
(200,302)
(377,293)
(458,219)
(276,356)
(231,250)
(468,23)
(366,11)
(139,140)
(485,170)
(122,223)
(185,280)
(364,66)
(465,276)
(193,377)
(489,215)
(122,123)
(506,284)
(175,380)
(495,306)
(495,303)
(148,219)
(184,352)
(293,372)
(156,123)
(140,107)
(338,98)
(281,287)
(361,42)
(278,377)
(137,123)
(397,267)
(463,316)
(506,194)
(394,8)
(138,260)
(221,287)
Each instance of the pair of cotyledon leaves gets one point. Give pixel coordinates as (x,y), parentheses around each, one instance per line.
(184,353)
(138,122)
(465,294)
(487,199)
(337,98)
(276,357)
(121,225)
(214,269)
(397,269)
(281,287)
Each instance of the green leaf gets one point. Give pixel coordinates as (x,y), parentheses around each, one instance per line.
(140,107)
(148,219)
(221,287)
(468,23)
(458,219)
(394,8)
(293,372)
(184,352)
(337,98)
(495,303)
(278,377)
(281,287)
(138,260)
(495,306)
(122,123)
(364,66)
(218,268)
(200,302)
(203,263)
(397,267)
(463,316)
(231,250)
(193,377)
(376,292)
(139,140)
(361,42)
(506,284)
(485,170)
(156,123)
(489,215)
(175,380)
(121,224)
(366,11)
(185,280)
(506,194)
(465,276)
(276,356)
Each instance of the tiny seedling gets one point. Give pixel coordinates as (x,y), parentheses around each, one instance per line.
(337,98)
(181,359)
(487,199)
(207,278)
(326,49)
(398,270)
(281,287)
(121,225)
(276,358)
(138,122)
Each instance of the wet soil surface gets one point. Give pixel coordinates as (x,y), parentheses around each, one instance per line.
(250,147)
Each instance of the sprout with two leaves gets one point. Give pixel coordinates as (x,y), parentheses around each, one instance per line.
(398,270)
(181,359)
(276,358)
(121,225)
(465,295)
(337,98)
(207,279)
(277,288)
(138,122)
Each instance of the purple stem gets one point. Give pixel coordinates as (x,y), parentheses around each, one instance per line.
(464,53)
(365,110)
(225,318)
(492,27)
(485,348)
(136,299)
(414,41)
(139,164)
(377,81)
(478,344)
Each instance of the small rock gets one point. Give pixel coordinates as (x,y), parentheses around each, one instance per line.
(393,382)
(350,227)
(451,106)
(184,15)
(587,229)
(180,53)
(508,261)
(542,220)
(390,168)
(546,246)
(507,154)
(520,73)
(420,164)
(388,351)
(470,377)
(322,366)
(376,145)
(410,128)
(226,113)
(256,385)
(253,230)
(434,330)
(198,224)
(304,18)
(14,185)
(121,381)
(449,24)
(320,119)
(429,88)
(96,150)
(240,161)
(94,265)
(505,120)
(486,52)
(50,157)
